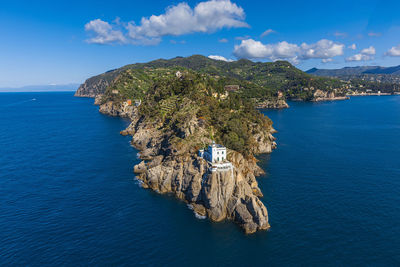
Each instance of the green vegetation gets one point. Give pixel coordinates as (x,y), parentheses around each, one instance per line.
(219,95)
(134,83)
(257,80)
(176,102)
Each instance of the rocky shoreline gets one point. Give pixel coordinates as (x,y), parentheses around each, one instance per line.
(273,104)
(320,95)
(338,98)
(232,195)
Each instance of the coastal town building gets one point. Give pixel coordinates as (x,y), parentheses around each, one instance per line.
(178,74)
(136,102)
(215,155)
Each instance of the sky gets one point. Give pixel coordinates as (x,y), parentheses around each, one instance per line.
(64,42)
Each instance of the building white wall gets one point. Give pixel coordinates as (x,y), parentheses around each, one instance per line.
(218,154)
(214,153)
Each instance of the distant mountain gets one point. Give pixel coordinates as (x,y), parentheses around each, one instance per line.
(384,70)
(375,74)
(42,88)
(360,70)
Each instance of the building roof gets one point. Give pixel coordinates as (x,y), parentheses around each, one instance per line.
(216,145)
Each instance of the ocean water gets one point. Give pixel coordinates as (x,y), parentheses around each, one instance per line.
(68,195)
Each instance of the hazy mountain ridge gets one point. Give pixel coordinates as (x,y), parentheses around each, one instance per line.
(365,73)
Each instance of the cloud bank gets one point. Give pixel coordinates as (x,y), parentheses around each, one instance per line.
(394,51)
(180,19)
(104,33)
(323,49)
(365,55)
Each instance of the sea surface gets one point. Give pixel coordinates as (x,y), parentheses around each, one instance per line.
(68,195)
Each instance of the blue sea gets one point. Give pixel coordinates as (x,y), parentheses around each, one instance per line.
(68,195)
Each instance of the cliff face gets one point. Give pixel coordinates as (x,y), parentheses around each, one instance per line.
(94,86)
(168,168)
(112,109)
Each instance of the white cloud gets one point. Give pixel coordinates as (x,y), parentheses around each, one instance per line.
(223,40)
(369,51)
(323,49)
(359,57)
(256,50)
(216,57)
(394,51)
(205,17)
(353,46)
(104,33)
(267,32)
(365,55)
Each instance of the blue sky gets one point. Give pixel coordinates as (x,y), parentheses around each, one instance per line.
(49,42)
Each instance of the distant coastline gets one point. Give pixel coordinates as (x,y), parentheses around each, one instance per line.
(41,88)
(373,94)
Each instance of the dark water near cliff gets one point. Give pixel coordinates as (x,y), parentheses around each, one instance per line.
(68,195)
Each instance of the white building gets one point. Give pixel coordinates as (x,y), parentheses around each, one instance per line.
(178,74)
(216,156)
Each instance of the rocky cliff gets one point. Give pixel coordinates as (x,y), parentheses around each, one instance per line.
(95,85)
(320,95)
(167,167)
(273,104)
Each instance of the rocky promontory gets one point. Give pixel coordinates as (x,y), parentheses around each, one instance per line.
(179,115)
(164,168)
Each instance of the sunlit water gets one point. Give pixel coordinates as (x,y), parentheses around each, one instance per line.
(68,194)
